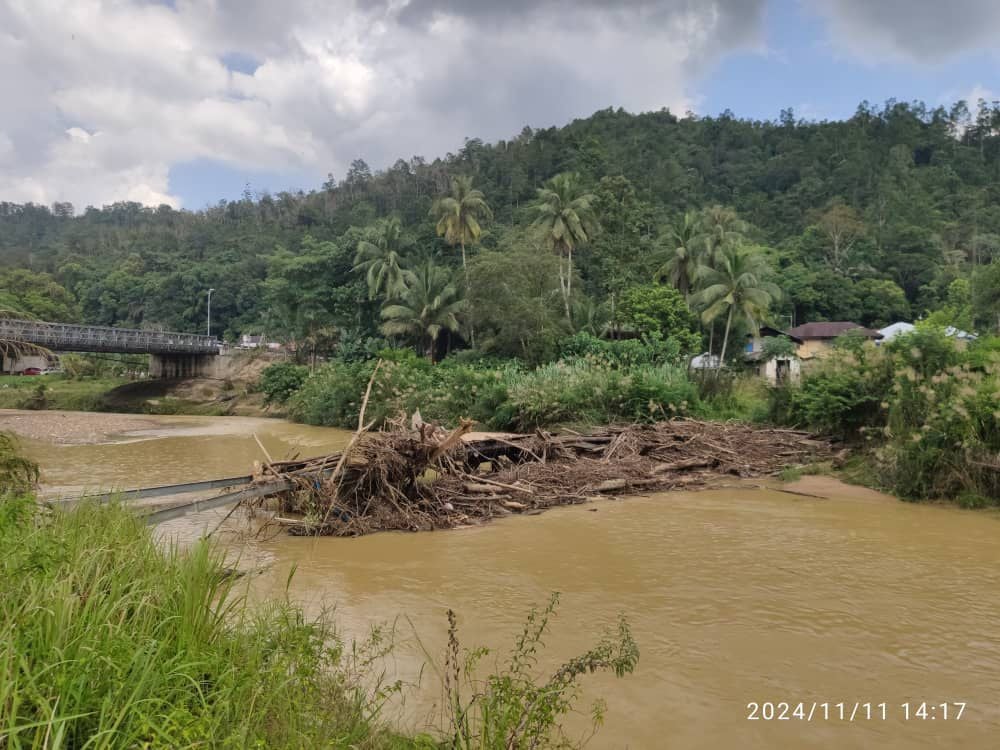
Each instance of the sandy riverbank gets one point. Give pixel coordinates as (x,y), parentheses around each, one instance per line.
(73,428)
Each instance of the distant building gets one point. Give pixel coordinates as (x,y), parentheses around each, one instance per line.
(817,338)
(776,369)
(704,361)
(248,341)
(901,329)
(959,334)
(896,329)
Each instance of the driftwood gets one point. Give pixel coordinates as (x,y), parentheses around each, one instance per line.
(422,477)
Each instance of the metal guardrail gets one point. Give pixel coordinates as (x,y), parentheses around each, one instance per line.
(77,338)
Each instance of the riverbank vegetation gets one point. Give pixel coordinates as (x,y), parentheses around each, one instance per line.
(110,640)
(567,275)
(925,407)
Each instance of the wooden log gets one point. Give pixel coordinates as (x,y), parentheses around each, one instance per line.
(477,488)
(687,463)
(611,485)
(513,505)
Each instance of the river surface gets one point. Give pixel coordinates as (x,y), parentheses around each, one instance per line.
(735,595)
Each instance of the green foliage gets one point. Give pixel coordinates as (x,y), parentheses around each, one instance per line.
(513,707)
(57,392)
(18,475)
(985,294)
(459,215)
(660,311)
(427,306)
(841,395)
(514,301)
(565,215)
(38,295)
(111,641)
(593,392)
(380,259)
(736,285)
(777,347)
(279,381)
(622,353)
(592,388)
(933,402)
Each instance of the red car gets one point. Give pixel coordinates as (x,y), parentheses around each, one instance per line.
(31,371)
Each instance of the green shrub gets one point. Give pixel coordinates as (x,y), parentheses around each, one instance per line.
(928,403)
(591,392)
(109,641)
(650,350)
(842,394)
(282,379)
(18,475)
(511,707)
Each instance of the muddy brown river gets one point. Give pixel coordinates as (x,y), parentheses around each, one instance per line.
(736,596)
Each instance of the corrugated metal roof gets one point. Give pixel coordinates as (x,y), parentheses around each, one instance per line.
(830,330)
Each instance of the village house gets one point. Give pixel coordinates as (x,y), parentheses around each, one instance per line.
(774,370)
(817,338)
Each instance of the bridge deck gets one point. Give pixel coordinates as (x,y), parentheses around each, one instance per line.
(77,338)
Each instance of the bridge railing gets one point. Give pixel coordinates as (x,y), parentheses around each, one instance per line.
(70,337)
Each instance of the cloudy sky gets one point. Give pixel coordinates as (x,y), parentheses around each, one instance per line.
(186,101)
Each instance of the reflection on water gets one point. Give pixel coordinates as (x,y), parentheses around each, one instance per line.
(734,595)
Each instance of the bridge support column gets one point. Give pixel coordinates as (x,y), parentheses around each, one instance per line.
(171,366)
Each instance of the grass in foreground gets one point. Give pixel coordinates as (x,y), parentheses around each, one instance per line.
(108,640)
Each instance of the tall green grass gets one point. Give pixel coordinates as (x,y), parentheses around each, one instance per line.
(109,641)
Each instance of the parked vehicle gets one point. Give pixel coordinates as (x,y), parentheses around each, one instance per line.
(31,371)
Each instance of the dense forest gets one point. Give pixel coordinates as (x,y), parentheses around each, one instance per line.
(893,214)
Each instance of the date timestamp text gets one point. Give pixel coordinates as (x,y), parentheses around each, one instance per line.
(854,711)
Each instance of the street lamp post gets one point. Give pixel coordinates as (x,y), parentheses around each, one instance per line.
(210,311)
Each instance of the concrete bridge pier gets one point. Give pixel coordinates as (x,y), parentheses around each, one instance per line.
(169,366)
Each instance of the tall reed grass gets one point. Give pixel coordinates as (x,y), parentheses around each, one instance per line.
(110,641)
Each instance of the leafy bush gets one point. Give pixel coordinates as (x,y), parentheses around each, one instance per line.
(934,401)
(651,350)
(511,708)
(18,474)
(111,641)
(585,391)
(279,381)
(660,310)
(841,395)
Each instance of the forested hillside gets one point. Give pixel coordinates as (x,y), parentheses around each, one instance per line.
(891,214)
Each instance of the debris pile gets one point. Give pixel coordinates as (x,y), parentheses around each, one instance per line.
(429,478)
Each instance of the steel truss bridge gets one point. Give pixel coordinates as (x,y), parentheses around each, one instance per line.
(76,338)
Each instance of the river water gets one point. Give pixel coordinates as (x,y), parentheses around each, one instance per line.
(735,595)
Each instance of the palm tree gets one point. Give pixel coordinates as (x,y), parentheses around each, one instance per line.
(568,220)
(683,259)
(460,214)
(720,228)
(737,285)
(427,306)
(380,257)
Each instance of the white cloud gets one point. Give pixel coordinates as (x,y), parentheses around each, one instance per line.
(106,95)
(922,31)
